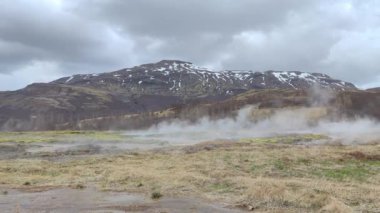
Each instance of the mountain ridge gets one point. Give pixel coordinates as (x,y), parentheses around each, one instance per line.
(174,77)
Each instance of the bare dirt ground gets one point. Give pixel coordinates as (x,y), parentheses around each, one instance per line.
(103,172)
(91,200)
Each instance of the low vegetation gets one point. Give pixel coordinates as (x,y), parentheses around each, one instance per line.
(156,195)
(265,175)
(287,139)
(59,136)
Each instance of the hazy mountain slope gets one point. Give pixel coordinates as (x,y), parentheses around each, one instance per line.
(376,89)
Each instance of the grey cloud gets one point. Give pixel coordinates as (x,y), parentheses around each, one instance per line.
(169,18)
(199,31)
(339,38)
(38,32)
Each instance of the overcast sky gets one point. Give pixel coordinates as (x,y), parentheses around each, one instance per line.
(41,40)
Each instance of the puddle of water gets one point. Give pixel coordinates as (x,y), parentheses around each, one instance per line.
(91,200)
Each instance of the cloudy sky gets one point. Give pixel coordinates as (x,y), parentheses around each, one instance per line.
(41,40)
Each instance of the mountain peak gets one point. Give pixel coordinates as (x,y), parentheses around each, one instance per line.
(166,61)
(170,65)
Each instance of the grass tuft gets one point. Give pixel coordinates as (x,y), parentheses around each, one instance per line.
(156,195)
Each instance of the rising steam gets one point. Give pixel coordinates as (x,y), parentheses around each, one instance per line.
(252,122)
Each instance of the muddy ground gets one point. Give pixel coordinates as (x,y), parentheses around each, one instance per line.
(91,200)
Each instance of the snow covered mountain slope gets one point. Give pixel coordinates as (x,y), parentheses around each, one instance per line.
(173,77)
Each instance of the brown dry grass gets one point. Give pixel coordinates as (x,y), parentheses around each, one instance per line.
(266,177)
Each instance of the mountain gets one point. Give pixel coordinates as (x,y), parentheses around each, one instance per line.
(376,89)
(143,95)
(178,78)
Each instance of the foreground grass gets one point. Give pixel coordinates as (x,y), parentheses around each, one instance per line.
(257,175)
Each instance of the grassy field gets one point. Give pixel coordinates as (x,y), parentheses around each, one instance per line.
(59,136)
(266,174)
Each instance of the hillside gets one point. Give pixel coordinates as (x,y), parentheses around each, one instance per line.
(143,95)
